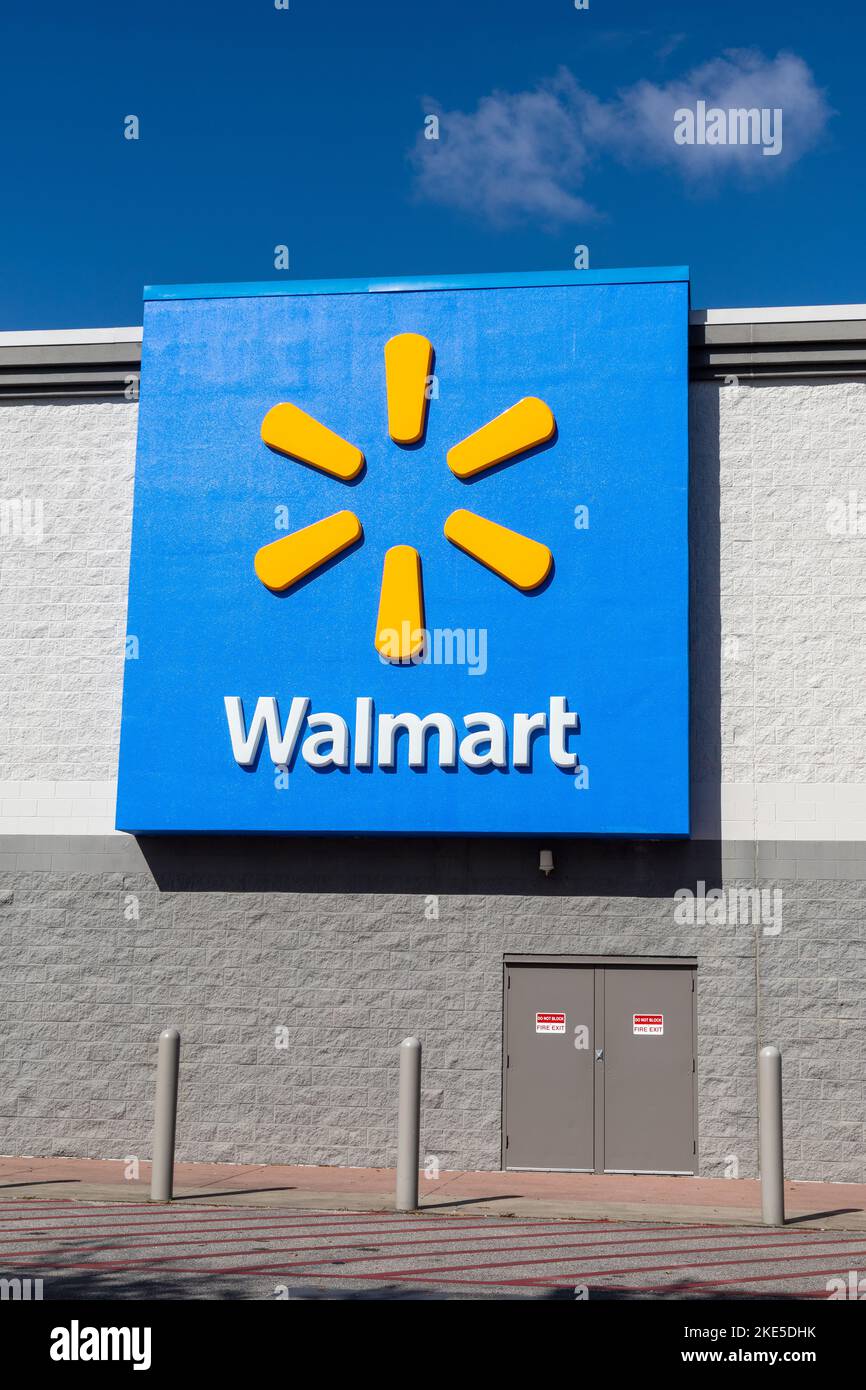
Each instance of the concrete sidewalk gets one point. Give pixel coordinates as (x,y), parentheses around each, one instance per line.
(839,1206)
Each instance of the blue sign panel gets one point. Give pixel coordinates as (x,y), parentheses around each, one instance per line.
(411,558)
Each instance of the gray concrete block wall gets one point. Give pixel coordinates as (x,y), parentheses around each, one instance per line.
(85,993)
(345,958)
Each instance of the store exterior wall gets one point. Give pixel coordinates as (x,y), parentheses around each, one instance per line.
(348,946)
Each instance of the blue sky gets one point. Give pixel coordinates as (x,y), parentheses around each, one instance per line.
(304,127)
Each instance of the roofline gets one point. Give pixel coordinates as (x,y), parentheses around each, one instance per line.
(132,333)
(801,313)
(61,337)
(777,342)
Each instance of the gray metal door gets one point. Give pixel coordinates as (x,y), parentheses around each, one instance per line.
(549,1084)
(649,1061)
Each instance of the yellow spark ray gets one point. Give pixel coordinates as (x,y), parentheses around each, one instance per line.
(525,563)
(523,426)
(408,359)
(400,625)
(286,561)
(290,430)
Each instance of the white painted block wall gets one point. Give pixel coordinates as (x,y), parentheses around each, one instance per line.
(792,608)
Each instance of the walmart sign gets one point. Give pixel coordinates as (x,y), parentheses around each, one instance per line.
(411,557)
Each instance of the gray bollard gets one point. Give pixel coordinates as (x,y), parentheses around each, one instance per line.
(770,1134)
(408,1124)
(165,1119)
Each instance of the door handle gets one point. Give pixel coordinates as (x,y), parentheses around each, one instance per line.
(599,1054)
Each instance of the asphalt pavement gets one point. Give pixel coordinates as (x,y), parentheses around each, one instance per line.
(139,1251)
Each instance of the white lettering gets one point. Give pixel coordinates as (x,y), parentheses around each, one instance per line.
(363,732)
(334,738)
(245,746)
(390,725)
(326,739)
(525,725)
(562,723)
(491,732)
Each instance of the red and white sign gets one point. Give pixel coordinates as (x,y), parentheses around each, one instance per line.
(550,1023)
(649,1025)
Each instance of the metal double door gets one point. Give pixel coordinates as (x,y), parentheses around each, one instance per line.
(599,1069)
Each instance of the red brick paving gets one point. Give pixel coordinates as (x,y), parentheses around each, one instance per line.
(614,1196)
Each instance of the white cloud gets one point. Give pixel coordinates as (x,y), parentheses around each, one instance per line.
(521,153)
(530,154)
(740,79)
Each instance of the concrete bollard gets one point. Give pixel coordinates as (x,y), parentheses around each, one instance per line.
(408,1124)
(165,1118)
(772,1163)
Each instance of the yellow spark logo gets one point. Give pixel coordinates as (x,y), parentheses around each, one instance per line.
(400,631)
